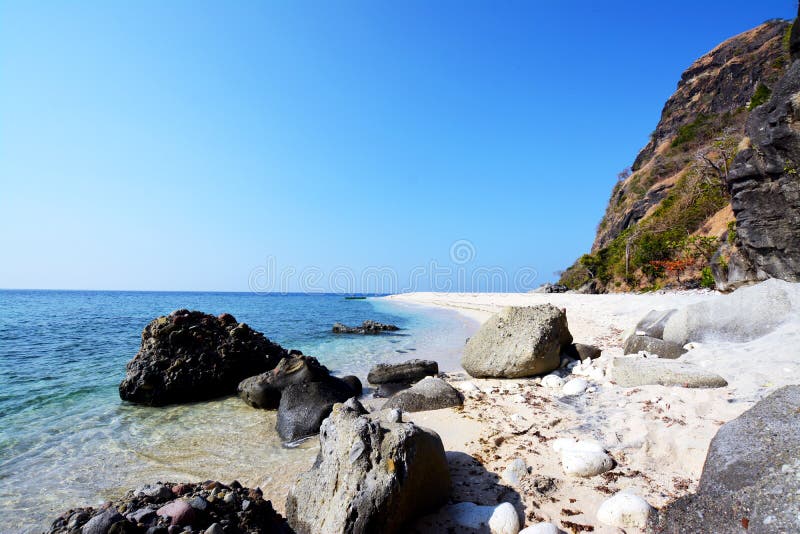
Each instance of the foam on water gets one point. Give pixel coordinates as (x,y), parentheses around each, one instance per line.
(67,440)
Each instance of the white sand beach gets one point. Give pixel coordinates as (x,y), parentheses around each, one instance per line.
(658,436)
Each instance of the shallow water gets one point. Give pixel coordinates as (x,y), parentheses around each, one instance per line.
(67,440)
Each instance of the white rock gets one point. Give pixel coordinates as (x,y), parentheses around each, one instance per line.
(552,381)
(624,510)
(541,528)
(469,386)
(576,386)
(515,472)
(501,519)
(582,458)
(504,520)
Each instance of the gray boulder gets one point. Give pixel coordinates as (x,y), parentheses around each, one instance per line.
(518,342)
(663,349)
(751,475)
(370,476)
(304,406)
(409,371)
(264,390)
(428,394)
(631,372)
(653,323)
(747,313)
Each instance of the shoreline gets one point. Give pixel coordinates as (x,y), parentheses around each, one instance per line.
(658,436)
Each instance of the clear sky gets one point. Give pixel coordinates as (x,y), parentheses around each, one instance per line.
(205,146)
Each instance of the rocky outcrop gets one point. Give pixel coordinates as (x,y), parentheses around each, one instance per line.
(367,327)
(189,356)
(430,393)
(764,183)
(518,342)
(169,507)
(370,476)
(405,372)
(751,476)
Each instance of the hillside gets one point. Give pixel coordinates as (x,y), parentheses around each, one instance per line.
(671,211)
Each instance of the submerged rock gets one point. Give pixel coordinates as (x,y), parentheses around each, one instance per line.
(752,472)
(367,327)
(428,394)
(370,476)
(189,356)
(664,349)
(178,512)
(518,342)
(632,371)
(405,372)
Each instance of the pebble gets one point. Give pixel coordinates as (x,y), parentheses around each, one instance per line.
(515,472)
(180,512)
(541,528)
(576,386)
(501,519)
(624,510)
(230,498)
(552,381)
(504,520)
(582,458)
(395,416)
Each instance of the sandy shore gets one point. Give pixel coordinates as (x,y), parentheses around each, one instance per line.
(658,436)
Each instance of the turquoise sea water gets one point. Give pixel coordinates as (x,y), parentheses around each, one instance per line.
(66,439)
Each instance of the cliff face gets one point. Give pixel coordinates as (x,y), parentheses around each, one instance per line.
(671,212)
(764,184)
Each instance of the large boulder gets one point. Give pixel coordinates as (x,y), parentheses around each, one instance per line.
(518,342)
(631,371)
(304,406)
(264,390)
(190,356)
(653,323)
(172,507)
(751,477)
(664,349)
(405,372)
(370,476)
(747,313)
(430,393)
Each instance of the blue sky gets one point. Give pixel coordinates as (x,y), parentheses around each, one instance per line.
(198,146)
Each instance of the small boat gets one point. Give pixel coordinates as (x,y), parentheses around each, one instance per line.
(355,298)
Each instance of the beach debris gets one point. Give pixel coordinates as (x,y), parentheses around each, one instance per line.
(582,458)
(541,528)
(189,356)
(430,393)
(631,371)
(664,349)
(196,511)
(751,472)
(515,472)
(624,510)
(401,473)
(366,328)
(405,372)
(575,386)
(518,342)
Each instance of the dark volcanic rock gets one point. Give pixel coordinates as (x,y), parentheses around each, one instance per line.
(304,406)
(136,513)
(663,349)
(367,327)
(408,371)
(370,476)
(264,390)
(751,476)
(428,394)
(189,356)
(764,183)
